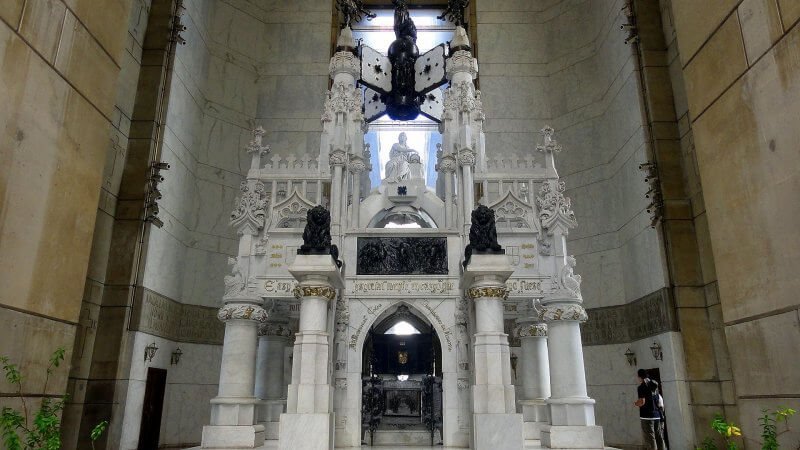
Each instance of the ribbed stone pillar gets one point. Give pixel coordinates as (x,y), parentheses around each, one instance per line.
(496,425)
(535,376)
(233,410)
(273,337)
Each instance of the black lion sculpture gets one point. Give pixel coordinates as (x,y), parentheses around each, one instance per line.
(482,234)
(317,235)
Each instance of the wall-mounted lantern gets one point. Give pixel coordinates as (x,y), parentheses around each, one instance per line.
(656,349)
(176,357)
(150,352)
(630,356)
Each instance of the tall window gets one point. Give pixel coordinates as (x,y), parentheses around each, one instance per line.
(423,134)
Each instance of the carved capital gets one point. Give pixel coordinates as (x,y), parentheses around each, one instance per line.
(338,158)
(356,165)
(314,291)
(552,313)
(532,330)
(446,164)
(466,157)
(242,311)
(492,292)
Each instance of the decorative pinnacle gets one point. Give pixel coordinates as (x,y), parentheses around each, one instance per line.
(550,145)
(255,146)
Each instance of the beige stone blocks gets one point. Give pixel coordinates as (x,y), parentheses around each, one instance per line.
(749,166)
(11,11)
(41,26)
(696,21)
(86,65)
(106,21)
(715,67)
(761,26)
(790,12)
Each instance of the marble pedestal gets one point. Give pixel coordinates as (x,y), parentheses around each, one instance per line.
(535,415)
(572,437)
(306,431)
(497,431)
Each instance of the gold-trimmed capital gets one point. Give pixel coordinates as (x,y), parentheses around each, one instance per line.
(314,291)
(494,292)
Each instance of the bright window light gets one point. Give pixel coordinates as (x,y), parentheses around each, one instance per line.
(402,328)
(402,378)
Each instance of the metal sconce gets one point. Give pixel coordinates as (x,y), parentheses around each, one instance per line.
(631,357)
(150,352)
(176,357)
(656,349)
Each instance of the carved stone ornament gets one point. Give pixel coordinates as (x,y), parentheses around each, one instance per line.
(250,213)
(256,147)
(343,98)
(555,210)
(462,61)
(357,165)
(235,282)
(492,292)
(342,314)
(274,329)
(532,330)
(239,311)
(550,145)
(345,62)
(552,313)
(402,256)
(568,281)
(292,212)
(462,97)
(466,157)
(482,234)
(314,291)
(511,212)
(338,158)
(446,164)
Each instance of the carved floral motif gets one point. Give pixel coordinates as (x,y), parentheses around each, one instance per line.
(446,164)
(493,292)
(345,62)
(532,330)
(314,291)
(242,312)
(555,210)
(343,98)
(250,213)
(552,313)
(338,158)
(463,97)
(466,157)
(462,61)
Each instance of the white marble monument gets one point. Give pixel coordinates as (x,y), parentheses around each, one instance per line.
(413,275)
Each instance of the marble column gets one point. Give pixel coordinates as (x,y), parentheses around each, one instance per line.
(233,410)
(338,161)
(309,420)
(496,425)
(273,338)
(535,376)
(357,166)
(466,159)
(447,167)
(571,409)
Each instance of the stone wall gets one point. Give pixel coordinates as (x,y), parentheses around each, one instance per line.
(63,120)
(565,63)
(740,64)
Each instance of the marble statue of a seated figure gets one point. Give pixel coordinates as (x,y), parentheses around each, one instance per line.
(401,156)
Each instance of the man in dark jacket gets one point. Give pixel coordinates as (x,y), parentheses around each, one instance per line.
(650,416)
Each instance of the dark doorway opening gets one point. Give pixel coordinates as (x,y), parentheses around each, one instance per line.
(153,408)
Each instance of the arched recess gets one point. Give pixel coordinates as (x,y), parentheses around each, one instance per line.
(421,314)
(402,312)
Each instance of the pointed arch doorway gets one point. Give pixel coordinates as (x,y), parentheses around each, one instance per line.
(401,376)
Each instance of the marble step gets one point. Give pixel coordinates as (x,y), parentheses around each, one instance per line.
(404,437)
